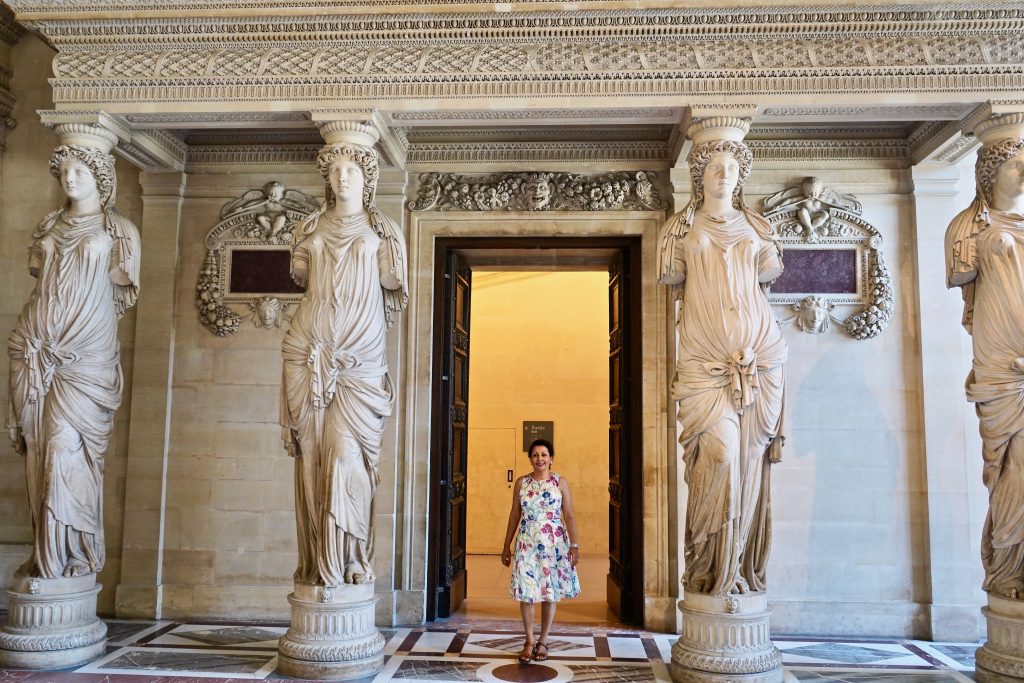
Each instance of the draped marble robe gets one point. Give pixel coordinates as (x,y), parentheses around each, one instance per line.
(336,391)
(985,257)
(66,381)
(730,386)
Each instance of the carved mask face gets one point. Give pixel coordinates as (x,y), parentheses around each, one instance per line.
(538,193)
(814,314)
(1009,181)
(721,175)
(267,311)
(346,178)
(77,180)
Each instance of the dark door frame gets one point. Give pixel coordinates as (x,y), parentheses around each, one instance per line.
(548,253)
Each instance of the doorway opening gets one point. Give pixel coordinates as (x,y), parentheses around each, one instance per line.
(552,329)
(539,354)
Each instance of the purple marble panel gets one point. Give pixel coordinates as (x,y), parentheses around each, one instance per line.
(818,271)
(262,271)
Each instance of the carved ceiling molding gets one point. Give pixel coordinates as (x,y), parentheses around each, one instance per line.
(923,112)
(219,120)
(895,152)
(700,54)
(654,154)
(648,115)
(216,157)
(10,30)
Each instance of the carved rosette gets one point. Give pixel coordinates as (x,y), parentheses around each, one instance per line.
(539,192)
(259,219)
(830,220)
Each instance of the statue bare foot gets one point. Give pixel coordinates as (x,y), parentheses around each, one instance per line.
(76,568)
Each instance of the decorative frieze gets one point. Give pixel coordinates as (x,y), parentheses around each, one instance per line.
(538,192)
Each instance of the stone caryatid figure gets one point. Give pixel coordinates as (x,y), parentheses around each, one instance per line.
(985,258)
(729,368)
(337,393)
(66,381)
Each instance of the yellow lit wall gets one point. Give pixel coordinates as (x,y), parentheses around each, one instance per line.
(538,351)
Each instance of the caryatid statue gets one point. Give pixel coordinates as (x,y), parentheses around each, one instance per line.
(337,392)
(729,381)
(985,259)
(65,373)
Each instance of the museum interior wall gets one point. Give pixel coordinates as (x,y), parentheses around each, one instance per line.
(539,352)
(878,501)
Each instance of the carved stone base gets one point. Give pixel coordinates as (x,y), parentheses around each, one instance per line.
(725,639)
(52,624)
(1002,657)
(332,635)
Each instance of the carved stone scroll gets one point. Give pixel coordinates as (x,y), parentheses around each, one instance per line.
(538,192)
(247,255)
(834,259)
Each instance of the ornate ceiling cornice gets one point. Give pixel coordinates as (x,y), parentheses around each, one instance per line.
(778,57)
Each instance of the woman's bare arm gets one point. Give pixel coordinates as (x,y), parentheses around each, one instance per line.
(569,516)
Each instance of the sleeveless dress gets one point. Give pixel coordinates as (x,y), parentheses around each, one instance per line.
(541,570)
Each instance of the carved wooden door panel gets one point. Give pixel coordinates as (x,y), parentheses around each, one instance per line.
(624,512)
(453,446)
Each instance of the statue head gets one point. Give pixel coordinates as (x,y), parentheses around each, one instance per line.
(716,151)
(274,191)
(813,314)
(364,158)
(812,187)
(100,165)
(537,191)
(989,169)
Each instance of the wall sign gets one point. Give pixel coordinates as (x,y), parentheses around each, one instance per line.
(537,430)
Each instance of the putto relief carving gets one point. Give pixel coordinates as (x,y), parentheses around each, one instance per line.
(833,261)
(538,192)
(246,262)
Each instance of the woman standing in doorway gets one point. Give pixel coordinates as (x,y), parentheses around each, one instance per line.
(546,551)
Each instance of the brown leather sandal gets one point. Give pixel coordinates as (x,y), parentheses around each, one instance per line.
(539,656)
(526,656)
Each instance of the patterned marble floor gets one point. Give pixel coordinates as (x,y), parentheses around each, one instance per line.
(485,651)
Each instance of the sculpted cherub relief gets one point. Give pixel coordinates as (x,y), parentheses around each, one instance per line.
(270,206)
(811,201)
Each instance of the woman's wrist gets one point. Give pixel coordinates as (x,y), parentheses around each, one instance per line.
(574,546)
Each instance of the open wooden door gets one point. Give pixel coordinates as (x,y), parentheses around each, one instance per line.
(625,529)
(451,446)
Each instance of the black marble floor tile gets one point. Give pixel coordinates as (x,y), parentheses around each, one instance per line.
(124,632)
(228,635)
(437,670)
(846,653)
(961,654)
(158,660)
(515,644)
(639,673)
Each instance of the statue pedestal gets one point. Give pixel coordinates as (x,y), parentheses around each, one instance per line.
(1002,657)
(333,635)
(725,638)
(52,624)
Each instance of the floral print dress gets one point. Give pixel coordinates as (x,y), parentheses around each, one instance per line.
(541,570)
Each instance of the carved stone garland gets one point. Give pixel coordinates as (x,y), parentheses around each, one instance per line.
(809,215)
(259,219)
(538,192)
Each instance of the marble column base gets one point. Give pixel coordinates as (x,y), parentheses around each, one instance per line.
(1002,657)
(332,635)
(725,638)
(52,624)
